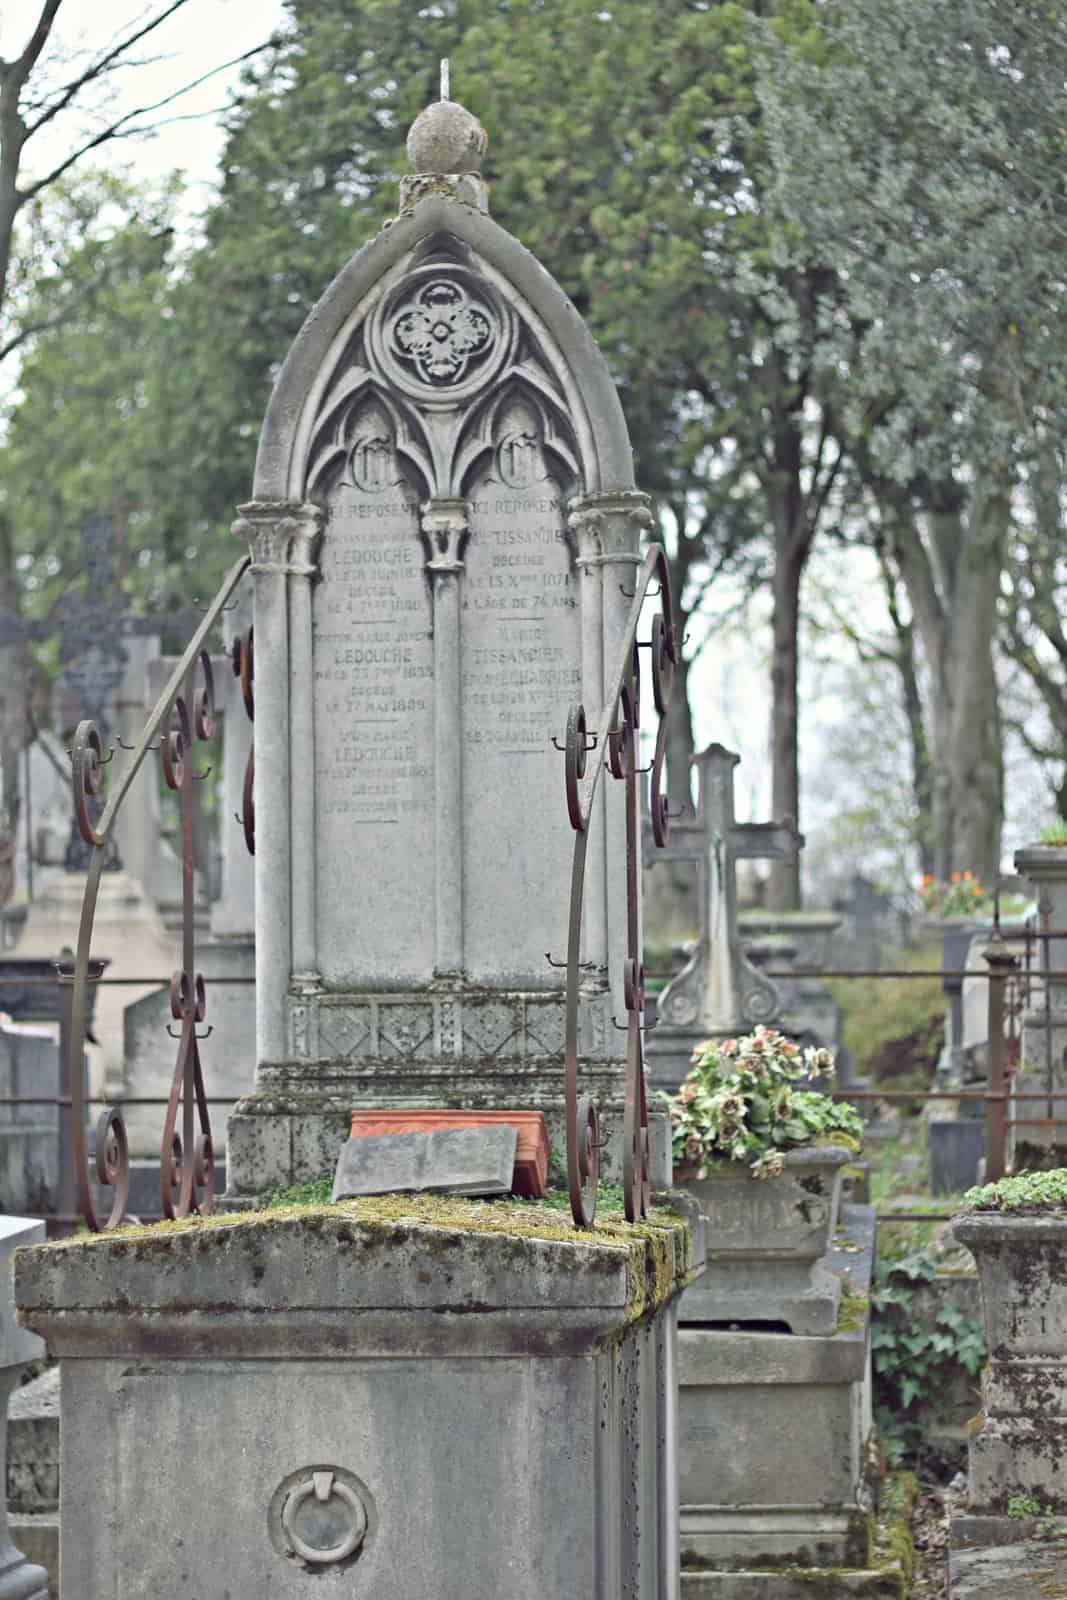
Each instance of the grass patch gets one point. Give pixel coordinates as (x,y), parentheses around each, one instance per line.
(895,1027)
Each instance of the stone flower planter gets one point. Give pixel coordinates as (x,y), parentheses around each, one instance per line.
(766,1239)
(1020,1443)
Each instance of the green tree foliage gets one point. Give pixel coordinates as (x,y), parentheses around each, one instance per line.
(79,437)
(922,167)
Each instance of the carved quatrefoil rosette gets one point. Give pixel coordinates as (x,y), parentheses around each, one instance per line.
(441,334)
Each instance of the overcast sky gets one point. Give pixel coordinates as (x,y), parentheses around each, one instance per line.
(199,37)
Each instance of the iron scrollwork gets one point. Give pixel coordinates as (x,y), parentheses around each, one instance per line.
(183,714)
(585,755)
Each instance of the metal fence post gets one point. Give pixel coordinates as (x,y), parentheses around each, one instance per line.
(1002,965)
(64,1223)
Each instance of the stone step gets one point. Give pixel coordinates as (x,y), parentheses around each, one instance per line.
(1008,1572)
(797,1583)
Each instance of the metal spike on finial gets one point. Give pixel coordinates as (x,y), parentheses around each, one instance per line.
(445,79)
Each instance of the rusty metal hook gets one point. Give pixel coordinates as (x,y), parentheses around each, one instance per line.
(624,1027)
(210,1031)
(583,966)
(590,743)
(149,751)
(198,777)
(650,594)
(199,607)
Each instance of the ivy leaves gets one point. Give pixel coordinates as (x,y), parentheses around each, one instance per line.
(919,1343)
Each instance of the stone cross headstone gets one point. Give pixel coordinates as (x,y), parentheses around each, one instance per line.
(443,530)
(720,991)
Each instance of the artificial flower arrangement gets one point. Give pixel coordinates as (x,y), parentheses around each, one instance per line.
(741,1102)
(959,895)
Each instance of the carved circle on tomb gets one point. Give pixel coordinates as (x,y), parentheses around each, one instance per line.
(320,1517)
(441,335)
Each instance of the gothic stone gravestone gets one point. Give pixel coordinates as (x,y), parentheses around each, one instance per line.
(719,991)
(443,532)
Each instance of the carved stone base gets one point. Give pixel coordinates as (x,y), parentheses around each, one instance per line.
(292,1127)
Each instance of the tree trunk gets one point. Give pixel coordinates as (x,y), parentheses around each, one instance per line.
(972,779)
(921,769)
(14,688)
(784,884)
(680,735)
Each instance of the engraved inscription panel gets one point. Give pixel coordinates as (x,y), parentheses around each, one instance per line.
(373,662)
(521,670)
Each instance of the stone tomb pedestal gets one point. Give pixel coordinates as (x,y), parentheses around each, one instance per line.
(395,1408)
(771,1439)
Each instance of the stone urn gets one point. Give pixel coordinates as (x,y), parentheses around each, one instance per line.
(766,1242)
(1019,1446)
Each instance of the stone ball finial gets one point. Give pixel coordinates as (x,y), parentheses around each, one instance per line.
(446,138)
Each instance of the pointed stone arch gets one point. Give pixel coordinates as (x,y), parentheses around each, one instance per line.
(333,343)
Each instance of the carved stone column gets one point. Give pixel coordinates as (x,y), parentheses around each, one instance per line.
(444,521)
(269,528)
(622,519)
(303,570)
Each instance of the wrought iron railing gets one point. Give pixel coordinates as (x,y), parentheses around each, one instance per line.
(183,714)
(585,756)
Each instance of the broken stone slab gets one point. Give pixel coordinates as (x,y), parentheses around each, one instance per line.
(1008,1572)
(472,1161)
(532,1151)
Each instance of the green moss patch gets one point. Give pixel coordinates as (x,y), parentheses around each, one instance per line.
(1027,1194)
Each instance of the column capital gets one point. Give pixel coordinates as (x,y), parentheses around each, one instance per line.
(444,522)
(609,526)
(282,535)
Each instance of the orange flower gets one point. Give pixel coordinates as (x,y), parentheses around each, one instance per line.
(976,891)
(954,876)
(928,878)
(968,874)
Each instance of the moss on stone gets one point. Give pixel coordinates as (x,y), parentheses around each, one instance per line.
(879,1550)
(853,1308)
(658,1249)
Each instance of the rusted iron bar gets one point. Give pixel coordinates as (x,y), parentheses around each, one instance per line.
(96,1100)
(918,1094)
(183,712)
(585,756)
(14,980)
(1002,965)
(913,1216)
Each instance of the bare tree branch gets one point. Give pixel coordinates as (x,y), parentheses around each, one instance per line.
(121,126)
(101,65)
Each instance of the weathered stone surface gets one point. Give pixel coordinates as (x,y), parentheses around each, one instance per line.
(1021,1443)
(33,1473)
(1010,1572)
(772,1429)
(446,138)
(442,1160)
(33,1445)
(766,1243)
(426,1331)
(803,1585)
(443,520)
(19,1578)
